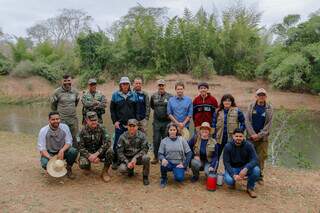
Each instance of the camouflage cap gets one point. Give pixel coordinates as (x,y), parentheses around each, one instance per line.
(161,82)
(92,81)
(92,116)
(132,122)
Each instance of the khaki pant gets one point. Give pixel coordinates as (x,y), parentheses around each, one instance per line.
(261,148)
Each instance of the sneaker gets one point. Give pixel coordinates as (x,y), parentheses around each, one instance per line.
(69,173)
(146,180)
(163,182)
(194,179)
(154,161)
(251,193)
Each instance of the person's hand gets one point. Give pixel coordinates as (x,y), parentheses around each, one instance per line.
(97,160)
(243,172)
(61,154)
(133,162)
(117,125)
(130,165)
(96,103)
(92,157)
(237,177)
(164,162)
(255,137)
(210,169)
(180,165)
(180,125)
(197,158)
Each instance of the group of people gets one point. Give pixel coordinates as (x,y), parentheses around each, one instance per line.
(219,130)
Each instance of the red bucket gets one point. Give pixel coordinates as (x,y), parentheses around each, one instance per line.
(212,182)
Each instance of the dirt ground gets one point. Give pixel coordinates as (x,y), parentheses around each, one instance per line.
(25,188)
(243,91)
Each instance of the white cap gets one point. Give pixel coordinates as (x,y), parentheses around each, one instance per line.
(124,80)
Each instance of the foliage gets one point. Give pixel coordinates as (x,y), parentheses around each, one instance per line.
(23,70)
(5,65)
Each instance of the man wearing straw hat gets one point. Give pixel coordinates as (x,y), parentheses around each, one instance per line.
(180,110)
(55,143)
(95,146)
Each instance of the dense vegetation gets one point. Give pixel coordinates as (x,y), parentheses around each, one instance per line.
(146,42)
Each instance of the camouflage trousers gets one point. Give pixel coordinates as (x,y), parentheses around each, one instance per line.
(144,161)
(261,148)
(84,162)
(74,128)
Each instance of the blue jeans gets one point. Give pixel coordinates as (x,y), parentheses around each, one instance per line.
(70,155)
(178,173)
(253,176)
(117,134)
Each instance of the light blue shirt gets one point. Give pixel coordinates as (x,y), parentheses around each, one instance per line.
(180,108)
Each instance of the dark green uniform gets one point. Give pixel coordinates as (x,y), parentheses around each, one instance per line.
(88,100)
(159,103)
(65,102)
(133,147)
(91,141)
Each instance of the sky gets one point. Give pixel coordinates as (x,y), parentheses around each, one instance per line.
(17,15)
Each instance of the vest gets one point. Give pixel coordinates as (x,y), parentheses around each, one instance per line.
(210,147)
(232,123)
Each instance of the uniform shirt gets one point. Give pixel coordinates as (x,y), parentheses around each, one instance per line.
(258,117)
(159,104)
(88,99)
(180,108)
(174,150)
(53,141)
(93,140)
(132,146)
(65,102)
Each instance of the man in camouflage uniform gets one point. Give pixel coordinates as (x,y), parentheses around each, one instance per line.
(132,151)
(93,100)
(158,103)
(95,146)
(65,100)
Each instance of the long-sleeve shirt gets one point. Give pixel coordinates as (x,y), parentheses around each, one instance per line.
(242,156)
(175,150)
(180,108)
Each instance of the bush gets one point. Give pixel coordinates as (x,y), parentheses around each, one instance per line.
(5,65)
(204,67)
(292,73)
(52,73)
(24,69)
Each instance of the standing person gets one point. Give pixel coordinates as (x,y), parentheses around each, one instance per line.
(258,123)
(143,105)
(205,151)
(55,139)
(241,162)
(133,150)
(228,118)
(65,100)
(123,107)
(174,155)
(95,146)
(93,100)
(180,108)
(204,106)
(158,103)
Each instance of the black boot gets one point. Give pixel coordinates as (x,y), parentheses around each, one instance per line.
(146,180)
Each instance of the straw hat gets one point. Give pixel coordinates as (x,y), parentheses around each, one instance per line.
(206,125)
(185,134)
(56,167)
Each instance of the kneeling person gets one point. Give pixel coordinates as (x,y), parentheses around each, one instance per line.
(95,146)
(241,162)
(205,150)
(132,150)
(56,139)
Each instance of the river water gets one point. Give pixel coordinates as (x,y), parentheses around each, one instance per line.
(30,118)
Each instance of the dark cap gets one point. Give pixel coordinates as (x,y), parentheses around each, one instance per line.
(92,81)
(203,84)
(132,122)
(92,116)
